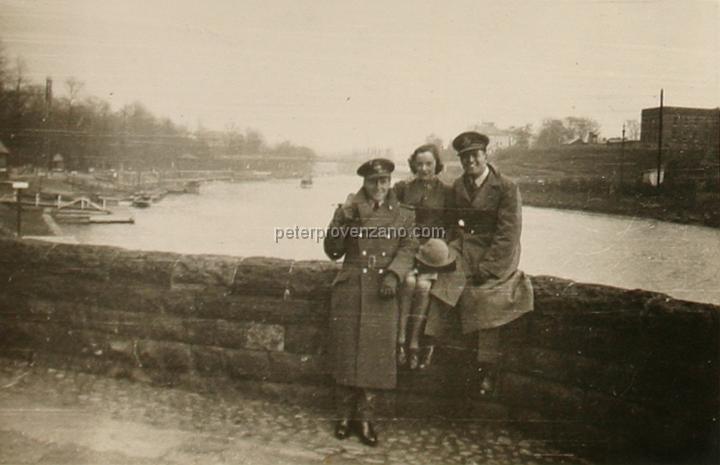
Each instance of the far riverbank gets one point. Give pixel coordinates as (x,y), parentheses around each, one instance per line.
(703,211)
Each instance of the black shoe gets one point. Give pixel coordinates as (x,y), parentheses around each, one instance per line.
(414,358)
(401,355)
(427,359)
(342,429)
(487,385)
(367,434)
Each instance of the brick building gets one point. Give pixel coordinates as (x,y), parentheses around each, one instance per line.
(685,130)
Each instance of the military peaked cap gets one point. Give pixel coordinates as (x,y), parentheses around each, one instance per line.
(376,168)
(470,140)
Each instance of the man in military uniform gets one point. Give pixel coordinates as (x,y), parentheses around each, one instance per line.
(375,235)
(485,211)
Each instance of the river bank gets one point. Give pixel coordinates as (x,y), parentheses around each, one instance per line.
(704,210)
(33,222)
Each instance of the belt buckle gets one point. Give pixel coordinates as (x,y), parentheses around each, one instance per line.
(371,262)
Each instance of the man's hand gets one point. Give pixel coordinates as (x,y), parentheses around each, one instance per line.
(389,284)
(481,276)
(347,209)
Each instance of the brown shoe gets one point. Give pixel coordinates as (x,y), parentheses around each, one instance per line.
(367,434)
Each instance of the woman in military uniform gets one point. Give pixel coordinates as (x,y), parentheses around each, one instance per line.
(375,237)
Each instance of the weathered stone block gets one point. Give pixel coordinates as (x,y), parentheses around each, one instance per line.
(203,271)
(294,368)
(625,344)
(262,309)
(122,350)
(208,360)
(12,306)
(667,383)
(71,313)
(555,333)
(548,397)
(107,321)
(243,363)
(12,337)
(311,279)
(570,299)
(614,411)
(200,331)
(167,328)
(249,335)
(276,277)
(306,339)
(264,337)
(230,334)
(164,355)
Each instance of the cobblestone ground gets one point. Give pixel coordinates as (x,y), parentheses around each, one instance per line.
(50,416)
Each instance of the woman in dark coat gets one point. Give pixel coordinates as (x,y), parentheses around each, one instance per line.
(429,197)
(374,235)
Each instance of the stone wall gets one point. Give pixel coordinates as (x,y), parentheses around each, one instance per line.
(637,366)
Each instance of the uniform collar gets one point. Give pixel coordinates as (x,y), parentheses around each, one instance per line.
(361,199)
(491,180)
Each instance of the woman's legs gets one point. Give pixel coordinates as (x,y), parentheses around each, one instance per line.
(419,311)
(405,302)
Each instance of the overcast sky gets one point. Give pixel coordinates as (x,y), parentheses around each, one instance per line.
(342,75)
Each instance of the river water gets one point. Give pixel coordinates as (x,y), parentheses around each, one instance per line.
(243,219)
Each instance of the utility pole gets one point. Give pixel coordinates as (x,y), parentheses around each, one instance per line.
(660,132)
(48,110)
(622,158)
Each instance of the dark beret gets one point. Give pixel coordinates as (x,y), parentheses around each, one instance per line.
(375,168)
(470,140)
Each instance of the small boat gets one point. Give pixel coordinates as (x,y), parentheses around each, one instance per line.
(306,182)
(141,201)
(192,187)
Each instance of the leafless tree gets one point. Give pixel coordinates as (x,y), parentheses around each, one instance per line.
(632,129)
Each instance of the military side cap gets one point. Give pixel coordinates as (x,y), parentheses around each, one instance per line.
(376,168)
(470,140)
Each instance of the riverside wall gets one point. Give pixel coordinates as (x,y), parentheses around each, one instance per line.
(610,365)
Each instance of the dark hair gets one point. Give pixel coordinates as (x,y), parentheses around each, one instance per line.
(432,148)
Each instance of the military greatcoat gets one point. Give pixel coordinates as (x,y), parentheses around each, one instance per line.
(487,238)
(363,325)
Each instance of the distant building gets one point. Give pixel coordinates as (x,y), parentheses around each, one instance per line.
(4,154)
(58,162)
(499,138)
(576,141)
(684,129)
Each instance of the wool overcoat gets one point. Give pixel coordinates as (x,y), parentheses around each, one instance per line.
(486,237)
(364,325)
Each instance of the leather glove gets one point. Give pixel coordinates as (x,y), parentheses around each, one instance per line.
(388,287)
(481,276)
